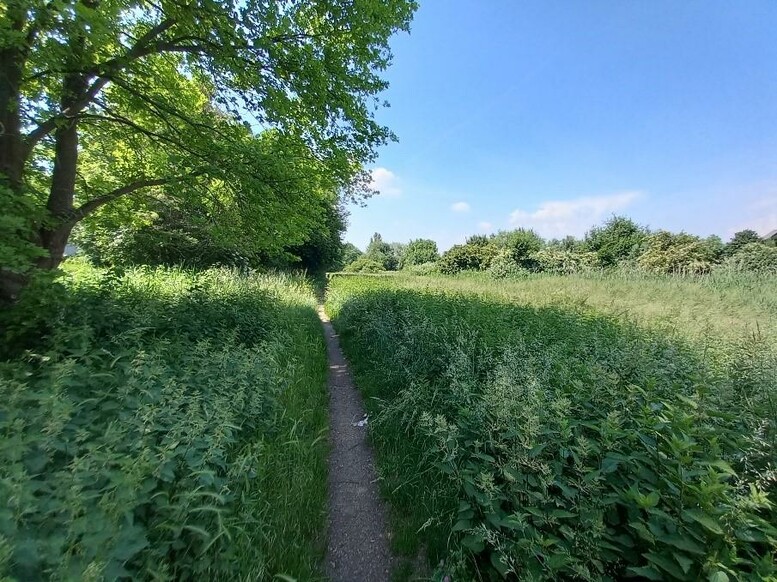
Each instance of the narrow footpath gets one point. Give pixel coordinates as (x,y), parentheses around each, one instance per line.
(358,543)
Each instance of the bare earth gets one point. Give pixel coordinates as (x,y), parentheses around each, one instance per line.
(358,543)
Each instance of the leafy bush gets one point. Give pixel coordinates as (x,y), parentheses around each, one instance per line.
(147,422)
(503,266)
(365,264)
(350,253)
(564,262)
(618,239)
(418,252)
(740,239)
(424,269)
(383,253)
(666,253)
(561,443)
(521,244)
(755,258)
(466,257)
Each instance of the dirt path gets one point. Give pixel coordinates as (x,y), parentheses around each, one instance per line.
(358,546)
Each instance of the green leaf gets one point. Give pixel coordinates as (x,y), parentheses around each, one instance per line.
(718,577)
(645,572)
(703,519)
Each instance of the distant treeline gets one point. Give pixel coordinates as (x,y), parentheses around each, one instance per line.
(618,243)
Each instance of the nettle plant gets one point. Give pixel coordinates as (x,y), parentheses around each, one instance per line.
(134,435)
(577,445)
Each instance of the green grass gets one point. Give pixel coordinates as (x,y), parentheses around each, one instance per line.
(163,424)
(572,427)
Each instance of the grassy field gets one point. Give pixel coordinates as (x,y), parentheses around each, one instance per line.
(593,427)
(163,424)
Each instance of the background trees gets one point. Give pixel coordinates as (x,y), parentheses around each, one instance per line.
(619,243)
(105,101)
(418,252)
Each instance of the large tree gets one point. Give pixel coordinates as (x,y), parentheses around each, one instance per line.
(79,75)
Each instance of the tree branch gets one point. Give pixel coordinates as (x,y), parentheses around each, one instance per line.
(88,207)
(140,49)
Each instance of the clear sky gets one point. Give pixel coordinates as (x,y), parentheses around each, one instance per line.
(555,114)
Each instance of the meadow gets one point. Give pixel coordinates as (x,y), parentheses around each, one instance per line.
(164,424)
(601,426)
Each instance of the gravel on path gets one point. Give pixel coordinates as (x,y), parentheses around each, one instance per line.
(358,539)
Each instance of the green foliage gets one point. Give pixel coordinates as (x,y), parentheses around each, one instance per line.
(740,239)
(418,252)
(521,244)
(350,253)
(383,253)
(162,424)
(365,264)
(472,256)
(754,258)
(503,266)
(17,222)
(538,438)
(714,248)
(424,269)
(666,252)
(565,262)
(618,239)
(166,102)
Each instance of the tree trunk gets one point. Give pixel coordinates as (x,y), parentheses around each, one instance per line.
(11,70)
(54,233)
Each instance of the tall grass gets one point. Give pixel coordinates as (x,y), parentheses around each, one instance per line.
(163,424)
(594,427)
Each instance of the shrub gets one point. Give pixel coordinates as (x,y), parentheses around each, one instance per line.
(503,266)
(466,257)
(564,262)
(138,428)
(618,239)
(755,258)
(350,253)
(521,244)
(365,264)
(740,239)
(558,443)
(424,269)
(683,253)
(418,252)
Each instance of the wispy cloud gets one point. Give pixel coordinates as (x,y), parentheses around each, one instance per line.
(386,182)
(460,207)
(485,226)
(556,218)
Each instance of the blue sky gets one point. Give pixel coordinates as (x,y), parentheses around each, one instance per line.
(554,115)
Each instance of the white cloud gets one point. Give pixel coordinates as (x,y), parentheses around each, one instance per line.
(486,226)
(557,218)
(386,182)
(460,207)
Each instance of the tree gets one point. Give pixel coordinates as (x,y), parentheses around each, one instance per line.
(418,252)
(618,239)
(73,73)
(349,254)
(381,252)
(740,239)
(521,244)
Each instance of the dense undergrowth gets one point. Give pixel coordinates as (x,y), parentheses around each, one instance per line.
(563,428)
(162,424)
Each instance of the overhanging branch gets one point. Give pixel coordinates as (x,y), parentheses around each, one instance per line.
(88,207)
